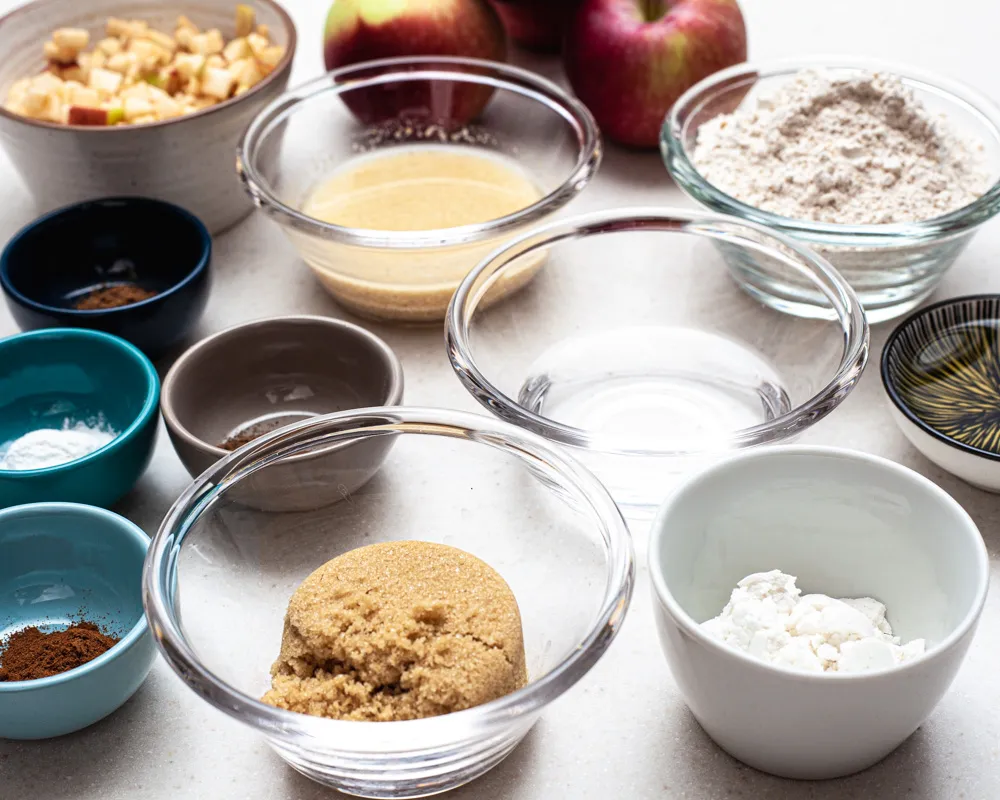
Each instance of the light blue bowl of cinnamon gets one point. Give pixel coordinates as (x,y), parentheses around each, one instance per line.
(63,564)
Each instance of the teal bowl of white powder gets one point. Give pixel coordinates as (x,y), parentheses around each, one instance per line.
(78,417)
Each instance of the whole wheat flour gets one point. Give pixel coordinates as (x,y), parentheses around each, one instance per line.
(857,151)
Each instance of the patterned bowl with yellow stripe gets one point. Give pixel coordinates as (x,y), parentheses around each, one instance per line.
(941,370)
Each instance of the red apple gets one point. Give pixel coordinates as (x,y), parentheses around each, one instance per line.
(537,24)
(362,30)
(629,60)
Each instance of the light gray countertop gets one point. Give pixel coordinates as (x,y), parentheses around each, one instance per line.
(623,731)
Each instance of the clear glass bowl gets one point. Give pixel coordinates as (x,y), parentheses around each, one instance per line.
(219,576)
(891,267)
(529,125)
(634,346)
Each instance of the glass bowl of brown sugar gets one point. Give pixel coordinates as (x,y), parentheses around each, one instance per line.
(393,178)
(511,507)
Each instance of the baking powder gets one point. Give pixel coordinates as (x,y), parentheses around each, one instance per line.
(47,447)
(768,617)
(858,151)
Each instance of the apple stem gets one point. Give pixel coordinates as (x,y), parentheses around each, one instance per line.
(652,10)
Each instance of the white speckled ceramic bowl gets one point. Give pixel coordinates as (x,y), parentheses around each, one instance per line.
(189,161)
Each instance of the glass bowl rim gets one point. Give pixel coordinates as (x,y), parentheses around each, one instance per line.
(454,68)
(161,562)
(897,397)
(853,323)
(683,171)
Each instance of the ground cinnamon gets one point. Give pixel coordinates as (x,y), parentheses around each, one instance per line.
(237,440)
(30,654)
(122,294)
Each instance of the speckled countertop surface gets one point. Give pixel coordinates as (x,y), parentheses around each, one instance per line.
(623,731)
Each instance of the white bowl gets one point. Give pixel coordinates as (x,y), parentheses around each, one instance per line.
(189,161)
(847,525)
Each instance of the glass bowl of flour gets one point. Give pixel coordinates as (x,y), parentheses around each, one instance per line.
(884,170)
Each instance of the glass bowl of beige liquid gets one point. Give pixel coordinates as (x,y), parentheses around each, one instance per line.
(220,576)
(394,178)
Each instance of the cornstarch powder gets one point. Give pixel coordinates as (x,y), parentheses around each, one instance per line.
(47,447)
(857,151)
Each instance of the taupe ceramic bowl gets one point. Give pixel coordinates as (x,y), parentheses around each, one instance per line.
(270,373)
(189,161)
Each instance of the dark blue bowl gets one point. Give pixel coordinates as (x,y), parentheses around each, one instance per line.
(60,257)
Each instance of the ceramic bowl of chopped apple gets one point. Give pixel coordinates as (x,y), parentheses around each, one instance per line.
(111,98)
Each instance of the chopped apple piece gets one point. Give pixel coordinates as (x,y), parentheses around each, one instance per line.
(245,19)
(87,115)
(115,115)
(207,43)
(217,83)
(59,55)
(71,38)
(160,39)
(257,43)
(136,107)
(184,23)
(84,96)
(109,46)
(189,65)
(235,50)
(120,62)
(104,80)
(271,56)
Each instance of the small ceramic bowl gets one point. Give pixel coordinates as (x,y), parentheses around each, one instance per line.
(187,160)
(847,525)
(262,375)
(941,370)
(504,495)
(891,267)
(530,127)
(58,260)
(53,377)
(62,563)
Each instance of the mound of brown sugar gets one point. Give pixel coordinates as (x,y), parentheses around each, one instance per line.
(398,630)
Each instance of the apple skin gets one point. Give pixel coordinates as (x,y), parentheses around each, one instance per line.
(363,30)
(629,71)
(538,25)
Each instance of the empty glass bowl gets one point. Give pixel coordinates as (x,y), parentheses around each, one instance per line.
(891,267)
(634,346)
(220,574)
(524,124)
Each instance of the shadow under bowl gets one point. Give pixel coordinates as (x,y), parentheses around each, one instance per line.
(941,371)
(62,563)
(846,525)
(53,377)
(59,260)
(254,378)
(891,267)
